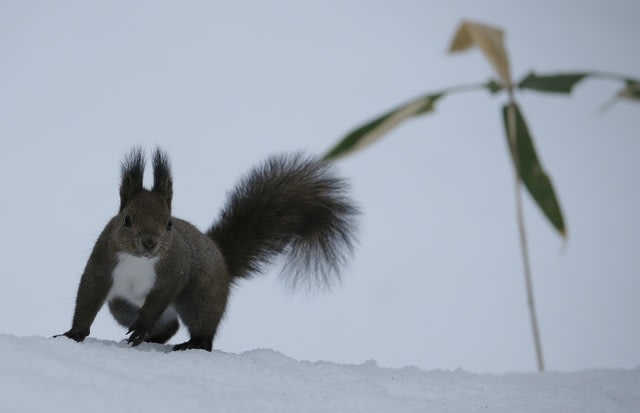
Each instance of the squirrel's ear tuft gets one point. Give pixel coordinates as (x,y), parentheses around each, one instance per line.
(132,173)
(162,182)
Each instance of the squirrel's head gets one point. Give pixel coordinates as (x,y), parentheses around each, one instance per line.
(143,225)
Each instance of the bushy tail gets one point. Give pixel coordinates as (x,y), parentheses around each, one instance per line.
(291,205)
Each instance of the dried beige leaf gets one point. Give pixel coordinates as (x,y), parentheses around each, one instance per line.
(489,39)
(631,91)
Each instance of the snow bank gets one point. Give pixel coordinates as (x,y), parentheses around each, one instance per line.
(51,375)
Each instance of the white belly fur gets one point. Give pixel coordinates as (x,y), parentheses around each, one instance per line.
(133,278)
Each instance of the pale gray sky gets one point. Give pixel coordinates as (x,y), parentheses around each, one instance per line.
(437,279)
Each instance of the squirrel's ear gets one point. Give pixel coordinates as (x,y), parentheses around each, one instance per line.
(162,182)
(132,173)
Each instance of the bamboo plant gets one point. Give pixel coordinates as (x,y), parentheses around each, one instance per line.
(528,170)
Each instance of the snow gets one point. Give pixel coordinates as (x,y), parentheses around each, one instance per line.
(49,375)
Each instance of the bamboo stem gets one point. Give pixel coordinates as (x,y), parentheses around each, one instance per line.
(511,120)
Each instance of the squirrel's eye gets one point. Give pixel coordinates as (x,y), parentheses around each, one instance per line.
(169,225)
(127,221)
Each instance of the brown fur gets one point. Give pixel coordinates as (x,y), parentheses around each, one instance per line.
(290,205)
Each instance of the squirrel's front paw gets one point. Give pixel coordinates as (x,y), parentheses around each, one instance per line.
(138,332)
(74,334)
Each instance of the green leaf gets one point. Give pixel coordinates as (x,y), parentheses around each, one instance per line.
(494,87)
(630,91)
(531,172)
(375,129)
(561,83)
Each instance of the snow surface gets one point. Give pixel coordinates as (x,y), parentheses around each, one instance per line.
(50,375)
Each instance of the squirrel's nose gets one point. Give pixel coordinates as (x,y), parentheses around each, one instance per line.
(149,242)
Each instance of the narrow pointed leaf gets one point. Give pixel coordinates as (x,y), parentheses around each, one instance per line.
(532,174)
(375,129)
(559,83)
(489,40)
(630,91)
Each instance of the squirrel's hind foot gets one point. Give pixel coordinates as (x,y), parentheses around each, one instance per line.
(194,343)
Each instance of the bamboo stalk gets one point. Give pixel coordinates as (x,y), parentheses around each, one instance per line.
(511,120)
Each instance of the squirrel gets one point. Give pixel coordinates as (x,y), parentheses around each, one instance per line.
(153,269)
